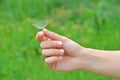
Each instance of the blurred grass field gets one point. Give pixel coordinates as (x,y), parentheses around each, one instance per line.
(91,23)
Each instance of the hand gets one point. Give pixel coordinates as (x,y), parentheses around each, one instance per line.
(61,53)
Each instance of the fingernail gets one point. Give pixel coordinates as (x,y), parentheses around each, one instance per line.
(61,52)
(59,43)
(60,57)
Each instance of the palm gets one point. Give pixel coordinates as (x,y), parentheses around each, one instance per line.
(69,61)
(64,65)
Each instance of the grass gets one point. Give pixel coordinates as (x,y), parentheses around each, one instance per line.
(94,24)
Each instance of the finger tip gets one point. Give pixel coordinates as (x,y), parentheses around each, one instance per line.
(39,35)
(45,31)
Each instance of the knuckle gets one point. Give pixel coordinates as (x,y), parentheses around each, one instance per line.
(53,52)
(54,43)
(56,52)
(47,44)
(51,43)
(58,44)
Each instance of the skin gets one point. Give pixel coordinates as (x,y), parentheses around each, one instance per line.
(63,54)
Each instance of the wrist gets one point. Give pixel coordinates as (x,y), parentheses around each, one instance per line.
(89,58)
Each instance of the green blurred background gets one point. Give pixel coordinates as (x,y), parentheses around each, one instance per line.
(91,23)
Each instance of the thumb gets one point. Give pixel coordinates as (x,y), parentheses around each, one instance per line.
(54,36)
